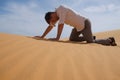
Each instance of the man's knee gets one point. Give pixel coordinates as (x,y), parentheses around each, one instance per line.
(73,35)
(71,39)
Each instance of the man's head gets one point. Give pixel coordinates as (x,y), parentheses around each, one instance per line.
(51,17)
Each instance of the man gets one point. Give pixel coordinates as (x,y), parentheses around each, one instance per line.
(81,26)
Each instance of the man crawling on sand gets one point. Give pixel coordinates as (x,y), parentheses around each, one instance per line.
(80,24)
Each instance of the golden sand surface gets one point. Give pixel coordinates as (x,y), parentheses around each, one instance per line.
(25,58)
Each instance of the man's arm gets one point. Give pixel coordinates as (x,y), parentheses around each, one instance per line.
(49,28)
(60,29)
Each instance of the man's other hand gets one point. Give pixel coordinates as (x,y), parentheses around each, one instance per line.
(38,37)
(54,39)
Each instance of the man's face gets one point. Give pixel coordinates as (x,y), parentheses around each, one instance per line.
(54,18)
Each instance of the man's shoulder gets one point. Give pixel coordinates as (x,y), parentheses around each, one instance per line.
(63,7)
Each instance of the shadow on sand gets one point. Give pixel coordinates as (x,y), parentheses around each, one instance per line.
(61,41)
(67,41)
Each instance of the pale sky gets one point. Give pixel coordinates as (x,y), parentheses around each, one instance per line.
(26,17)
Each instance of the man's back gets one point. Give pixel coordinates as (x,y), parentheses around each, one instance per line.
(70,17)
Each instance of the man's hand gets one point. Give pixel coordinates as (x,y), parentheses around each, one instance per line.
(38,37)
(49,28)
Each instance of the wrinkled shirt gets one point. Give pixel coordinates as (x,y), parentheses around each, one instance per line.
(70,17)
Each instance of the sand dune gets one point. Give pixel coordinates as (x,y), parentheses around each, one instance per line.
(24,58)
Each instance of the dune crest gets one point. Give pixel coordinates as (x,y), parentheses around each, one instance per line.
(25,58)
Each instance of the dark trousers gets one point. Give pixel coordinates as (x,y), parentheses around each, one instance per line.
(87,35)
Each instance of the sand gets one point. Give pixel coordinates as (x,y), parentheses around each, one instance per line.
(24,58)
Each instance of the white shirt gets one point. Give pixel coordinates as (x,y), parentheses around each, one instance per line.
(68,16)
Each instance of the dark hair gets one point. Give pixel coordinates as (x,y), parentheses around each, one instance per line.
(48,17)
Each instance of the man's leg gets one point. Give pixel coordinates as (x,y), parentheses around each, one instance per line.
(87,36)
(103,41)
(108,41)
(87,33)
(75,36)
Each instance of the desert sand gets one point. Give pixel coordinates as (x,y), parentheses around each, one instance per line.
(25,58)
